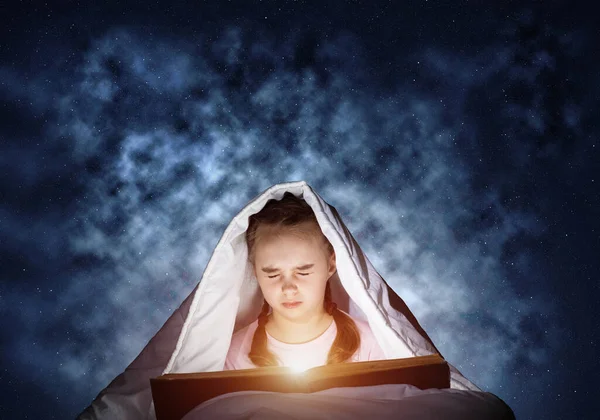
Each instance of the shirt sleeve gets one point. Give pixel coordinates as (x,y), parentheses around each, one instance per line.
(238,346)
(232,353)
(370,348)
(376,352)
(228,363)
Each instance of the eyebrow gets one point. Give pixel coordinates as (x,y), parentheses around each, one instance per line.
(272,270)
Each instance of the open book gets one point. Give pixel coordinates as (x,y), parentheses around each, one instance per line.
(175,394)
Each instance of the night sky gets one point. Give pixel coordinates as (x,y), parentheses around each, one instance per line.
(459,143)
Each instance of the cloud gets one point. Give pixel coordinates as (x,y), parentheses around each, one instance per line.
(175,146)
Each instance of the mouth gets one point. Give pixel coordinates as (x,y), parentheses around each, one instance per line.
(291,305)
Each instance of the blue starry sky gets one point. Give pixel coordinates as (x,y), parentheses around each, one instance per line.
(458,141)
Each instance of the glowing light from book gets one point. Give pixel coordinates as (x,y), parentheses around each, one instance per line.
(298,368)
(299,365)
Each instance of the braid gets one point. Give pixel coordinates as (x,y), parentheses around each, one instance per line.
(259,352)
(264,315)
(347,340)
(328,303)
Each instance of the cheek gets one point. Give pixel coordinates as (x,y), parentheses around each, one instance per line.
(269,286)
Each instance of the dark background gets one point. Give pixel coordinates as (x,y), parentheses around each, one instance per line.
(458,141)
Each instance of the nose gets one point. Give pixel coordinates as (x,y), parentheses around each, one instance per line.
(289,286)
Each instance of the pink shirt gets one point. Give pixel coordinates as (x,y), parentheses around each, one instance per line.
(306,355)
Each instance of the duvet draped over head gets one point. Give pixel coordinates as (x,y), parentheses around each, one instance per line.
(197,335)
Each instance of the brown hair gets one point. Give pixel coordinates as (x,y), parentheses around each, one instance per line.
(289,213)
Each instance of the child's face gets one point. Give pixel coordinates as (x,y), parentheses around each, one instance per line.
(293,268)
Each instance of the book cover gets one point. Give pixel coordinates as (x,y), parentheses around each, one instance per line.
(175,394)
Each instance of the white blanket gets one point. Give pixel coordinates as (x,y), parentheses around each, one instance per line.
(377,402)
(197,336)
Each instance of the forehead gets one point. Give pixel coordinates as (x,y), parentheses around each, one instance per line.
(285,244)
(306,230)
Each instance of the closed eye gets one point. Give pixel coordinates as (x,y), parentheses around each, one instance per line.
(276,275)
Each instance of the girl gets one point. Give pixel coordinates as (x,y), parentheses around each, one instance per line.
(299,325)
